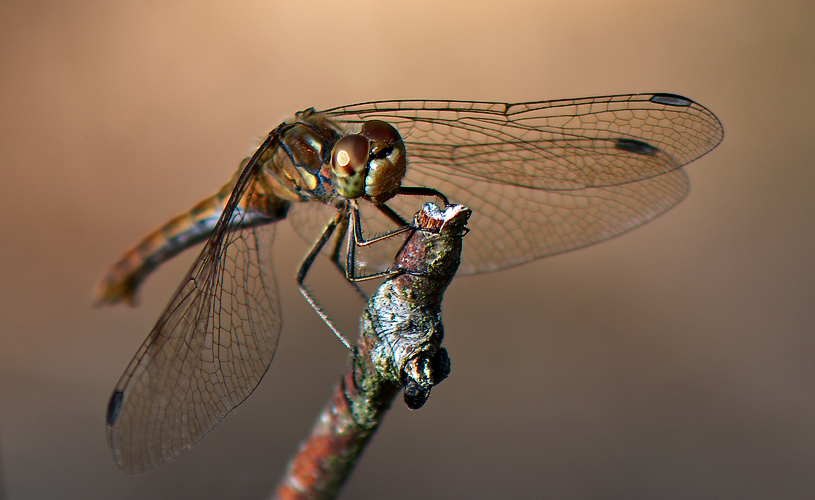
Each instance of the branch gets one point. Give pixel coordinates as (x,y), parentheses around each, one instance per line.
(399,347)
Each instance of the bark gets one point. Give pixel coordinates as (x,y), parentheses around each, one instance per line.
(399,348)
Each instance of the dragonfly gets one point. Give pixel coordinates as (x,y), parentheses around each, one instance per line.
(541,178)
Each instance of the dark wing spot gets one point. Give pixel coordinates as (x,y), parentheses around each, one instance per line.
(114,405)
(635,146)
(671,100)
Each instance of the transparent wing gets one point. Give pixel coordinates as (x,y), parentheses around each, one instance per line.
(210,347)
(544,177)
(515,225)
(555,145)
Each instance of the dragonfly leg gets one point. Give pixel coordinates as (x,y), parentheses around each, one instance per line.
(306,265)
(359,239)
(356,238)
(393,216)
(336,245)
(423,191)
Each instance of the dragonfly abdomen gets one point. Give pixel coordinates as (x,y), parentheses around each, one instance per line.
(180,233)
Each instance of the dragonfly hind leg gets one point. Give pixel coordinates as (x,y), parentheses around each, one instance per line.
(318,245)
(340,223)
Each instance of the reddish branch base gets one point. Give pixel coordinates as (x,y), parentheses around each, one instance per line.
(327,457)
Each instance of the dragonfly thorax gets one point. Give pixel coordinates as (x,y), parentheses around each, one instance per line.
(371,163)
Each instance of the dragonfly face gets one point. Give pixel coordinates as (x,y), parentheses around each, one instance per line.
(541,178)
(371,163)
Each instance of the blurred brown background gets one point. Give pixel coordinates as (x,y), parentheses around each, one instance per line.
(675,362)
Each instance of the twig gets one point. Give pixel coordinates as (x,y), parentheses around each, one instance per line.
(399,346)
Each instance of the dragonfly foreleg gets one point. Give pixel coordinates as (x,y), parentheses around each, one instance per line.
(393,216)
(356,238)
(423,191)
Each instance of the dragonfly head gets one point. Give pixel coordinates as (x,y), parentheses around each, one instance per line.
(370,163)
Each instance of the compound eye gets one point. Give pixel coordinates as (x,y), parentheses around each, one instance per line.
(349,163)
(379,131)
(350,155)
(387,160)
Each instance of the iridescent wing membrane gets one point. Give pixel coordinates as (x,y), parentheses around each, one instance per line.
(208,350)
(543,177)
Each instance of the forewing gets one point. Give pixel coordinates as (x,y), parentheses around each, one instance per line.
(553,145)
(545,177)
(209,349)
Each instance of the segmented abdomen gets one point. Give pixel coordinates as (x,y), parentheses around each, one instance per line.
(179,233)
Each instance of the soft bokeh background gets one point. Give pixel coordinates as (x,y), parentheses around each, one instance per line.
(675,362)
